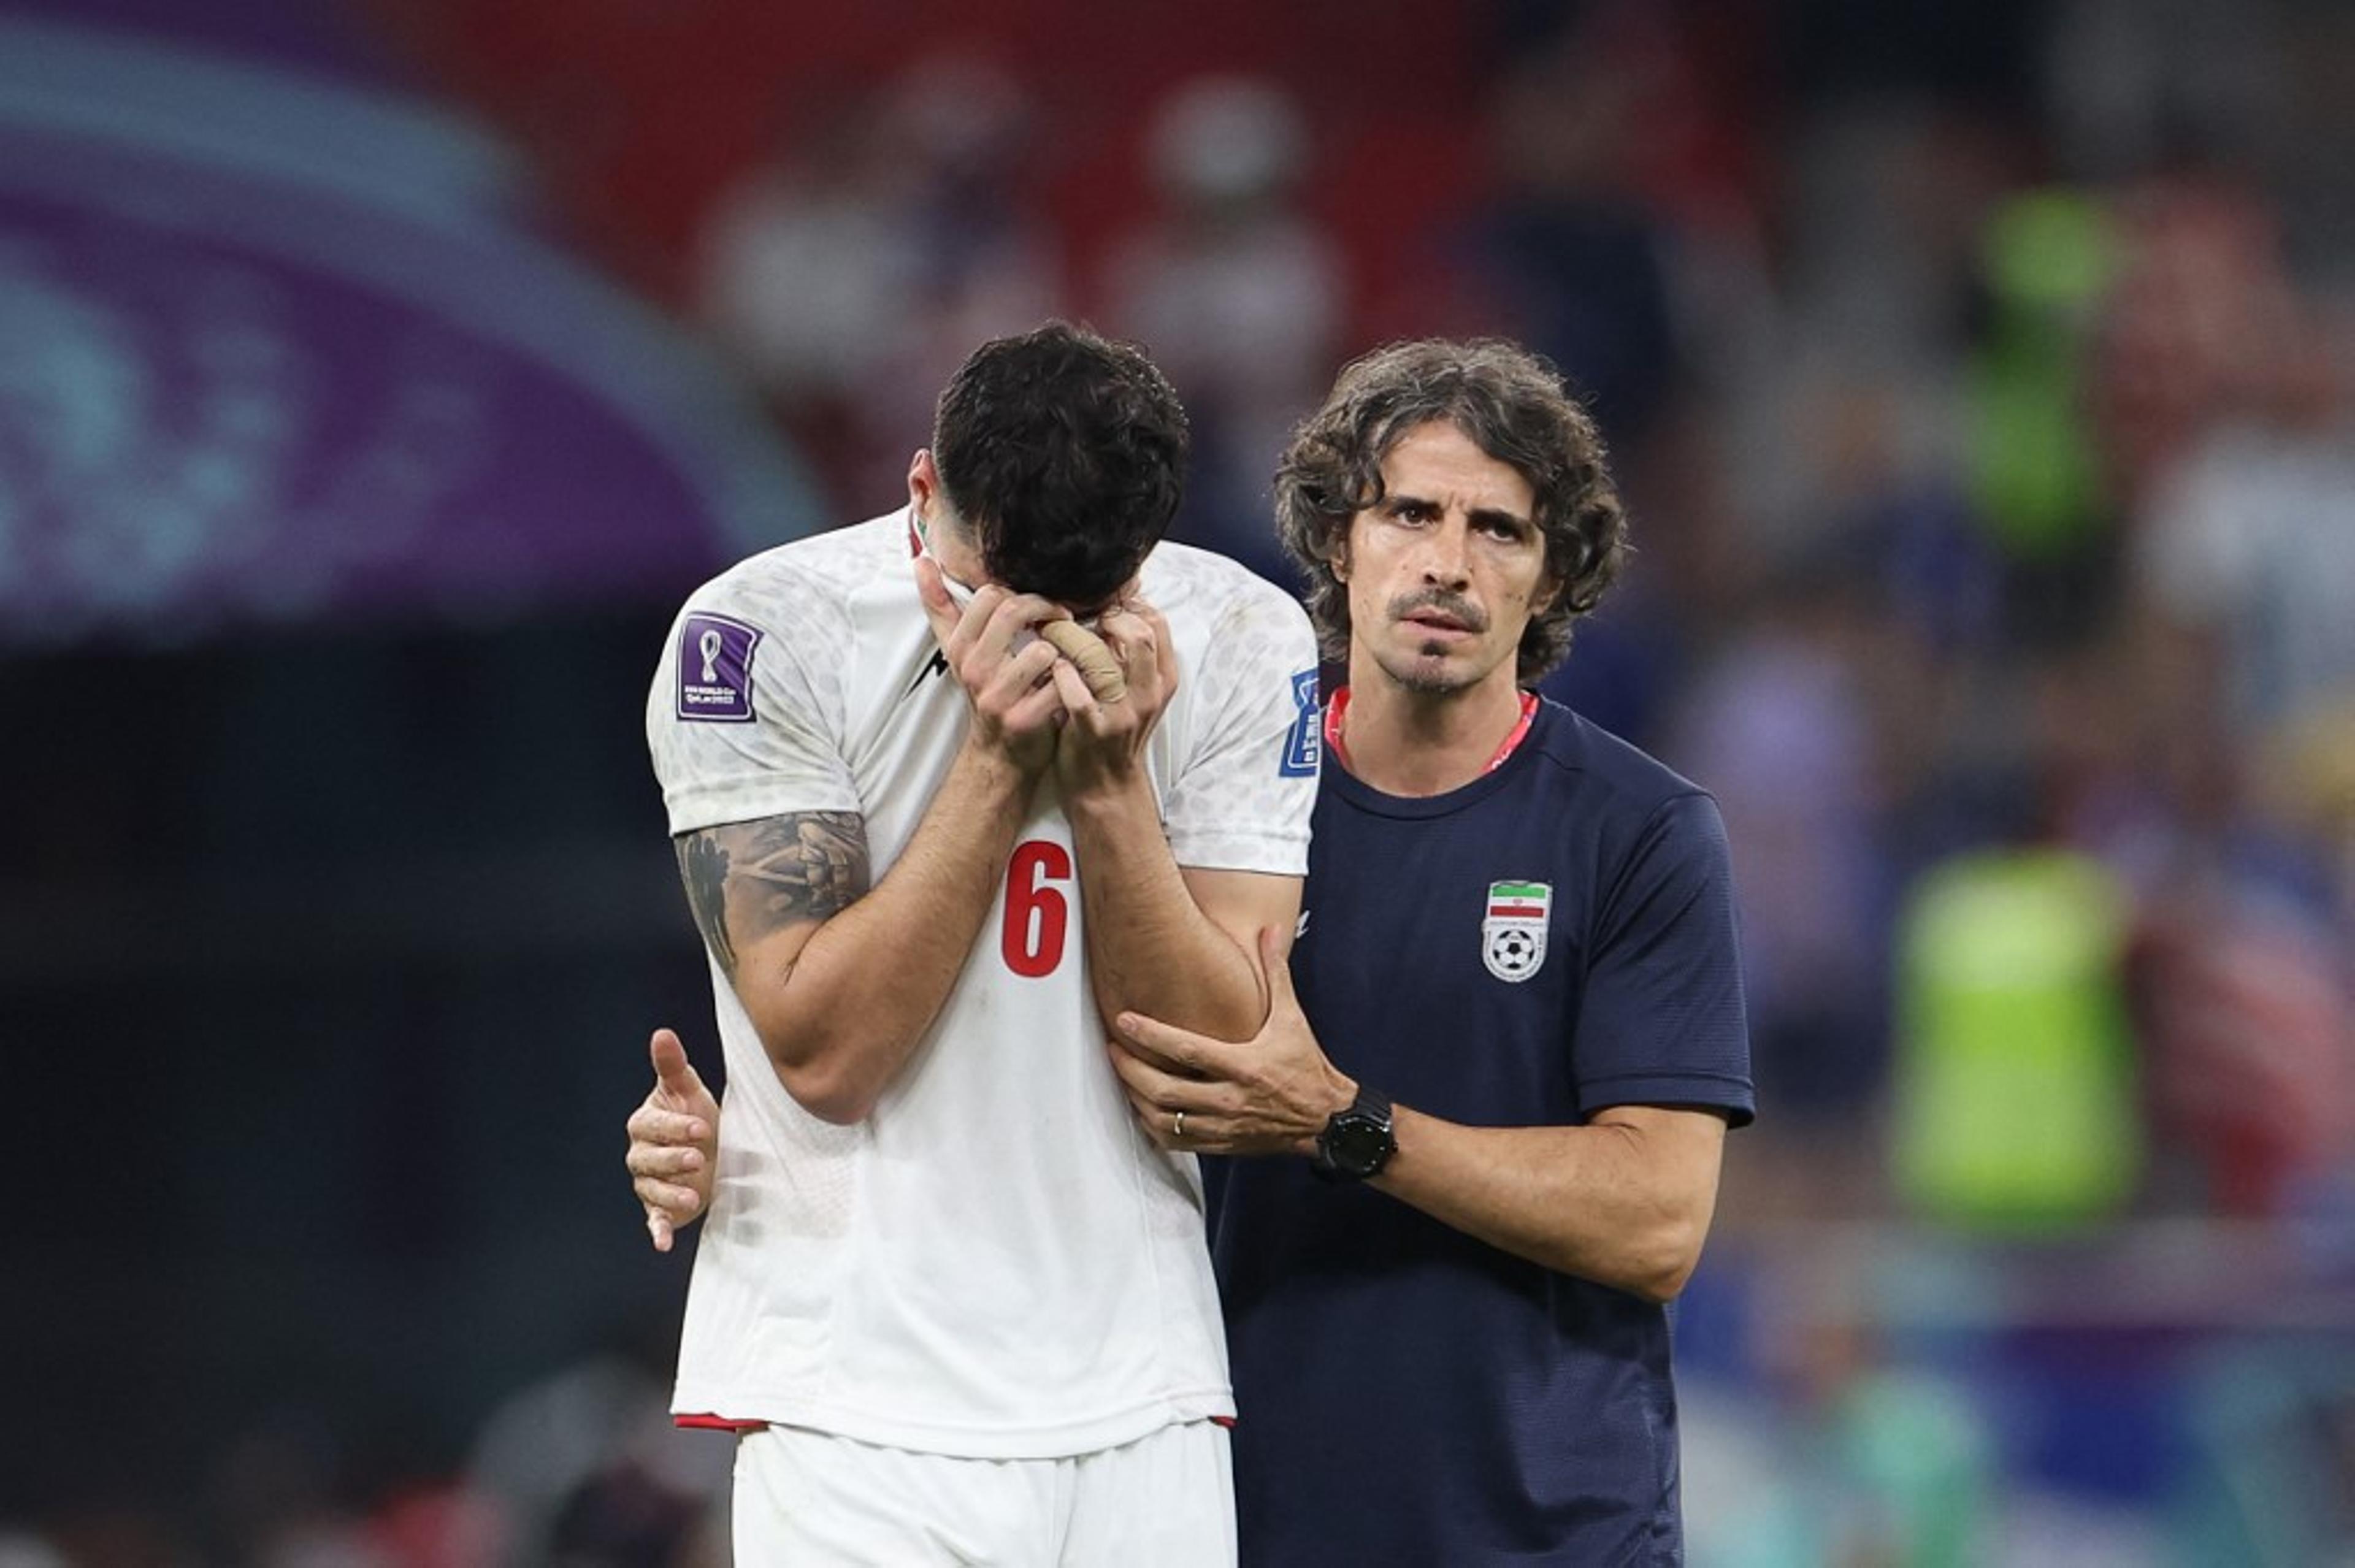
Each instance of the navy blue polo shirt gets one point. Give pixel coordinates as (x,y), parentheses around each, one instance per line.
(1551,939)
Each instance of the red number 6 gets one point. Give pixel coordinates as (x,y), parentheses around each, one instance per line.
(1037,912)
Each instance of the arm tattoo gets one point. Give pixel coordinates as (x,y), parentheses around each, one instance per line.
(749,878)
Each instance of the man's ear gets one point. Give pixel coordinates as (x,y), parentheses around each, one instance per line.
(923,480)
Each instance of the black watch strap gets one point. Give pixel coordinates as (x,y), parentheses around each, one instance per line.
(1356,1142)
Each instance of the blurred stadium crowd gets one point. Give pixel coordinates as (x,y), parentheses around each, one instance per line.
(1982,378)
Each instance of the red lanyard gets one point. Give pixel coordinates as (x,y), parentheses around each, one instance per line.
(1341,706)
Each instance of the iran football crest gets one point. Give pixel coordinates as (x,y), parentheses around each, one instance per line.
(1513,936)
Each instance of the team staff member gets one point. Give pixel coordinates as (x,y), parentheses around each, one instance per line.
(958,1302)
(1518,1040)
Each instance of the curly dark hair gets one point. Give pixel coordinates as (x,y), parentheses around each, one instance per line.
(1065,454)
(1513,406)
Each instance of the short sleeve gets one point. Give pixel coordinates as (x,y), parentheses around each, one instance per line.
(1661,1021)
(1241,798)
(741,721)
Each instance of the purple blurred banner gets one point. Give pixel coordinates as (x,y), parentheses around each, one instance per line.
(273,345)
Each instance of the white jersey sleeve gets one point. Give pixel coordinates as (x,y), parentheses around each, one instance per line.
(744,719)
(1242,800)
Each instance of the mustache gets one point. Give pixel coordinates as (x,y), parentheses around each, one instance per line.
(1453,606)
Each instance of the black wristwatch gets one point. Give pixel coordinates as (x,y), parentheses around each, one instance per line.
(1357,1143)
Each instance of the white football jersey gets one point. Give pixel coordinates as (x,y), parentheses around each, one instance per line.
(996,1263)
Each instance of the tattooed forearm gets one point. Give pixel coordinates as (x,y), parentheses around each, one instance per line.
(750,878)
(809,865)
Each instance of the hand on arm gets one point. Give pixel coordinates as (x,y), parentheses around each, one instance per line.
(1624,1200)
(674,1143)
(842,980)
(1269,1094)
(1175,943)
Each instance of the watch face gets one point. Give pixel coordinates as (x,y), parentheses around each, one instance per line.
(1357,1145)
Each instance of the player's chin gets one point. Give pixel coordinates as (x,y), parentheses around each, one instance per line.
(1432,672)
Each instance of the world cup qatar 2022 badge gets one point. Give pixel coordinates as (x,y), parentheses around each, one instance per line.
(715,669)
(1513,936)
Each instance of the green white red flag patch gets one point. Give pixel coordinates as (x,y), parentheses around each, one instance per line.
(1513,932)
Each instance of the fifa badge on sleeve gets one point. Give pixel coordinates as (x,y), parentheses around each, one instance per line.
(1304,747)
(715,668)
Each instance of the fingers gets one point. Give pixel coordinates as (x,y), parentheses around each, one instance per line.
(1096,660)
(1020,685)
(657,1124)
(677,1205)
(669,1145)
(1165,649)
(663,1160)
(1139,635)
(1154,1086)
(992,621)
(1072,688)
(1041,708)
(673,1074)
(1016,678)
(1125,629)
(1012,692)
(1190,1132)
(955,627)
(1128,638)
(1159,1100)
(1029,697)
(1177,1049)
(940,605)
(1157,1085)
(982,634)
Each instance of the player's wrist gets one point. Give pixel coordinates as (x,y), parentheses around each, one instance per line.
(1335,1095)
(1000,763)
(1119,792)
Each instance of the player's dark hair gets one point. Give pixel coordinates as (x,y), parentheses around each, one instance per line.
(1513,406)
(1065,455)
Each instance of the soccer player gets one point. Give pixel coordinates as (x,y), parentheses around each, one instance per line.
(1518,1038)
(956,1300)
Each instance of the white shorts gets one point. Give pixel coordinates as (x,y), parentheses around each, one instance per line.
(811,1500)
